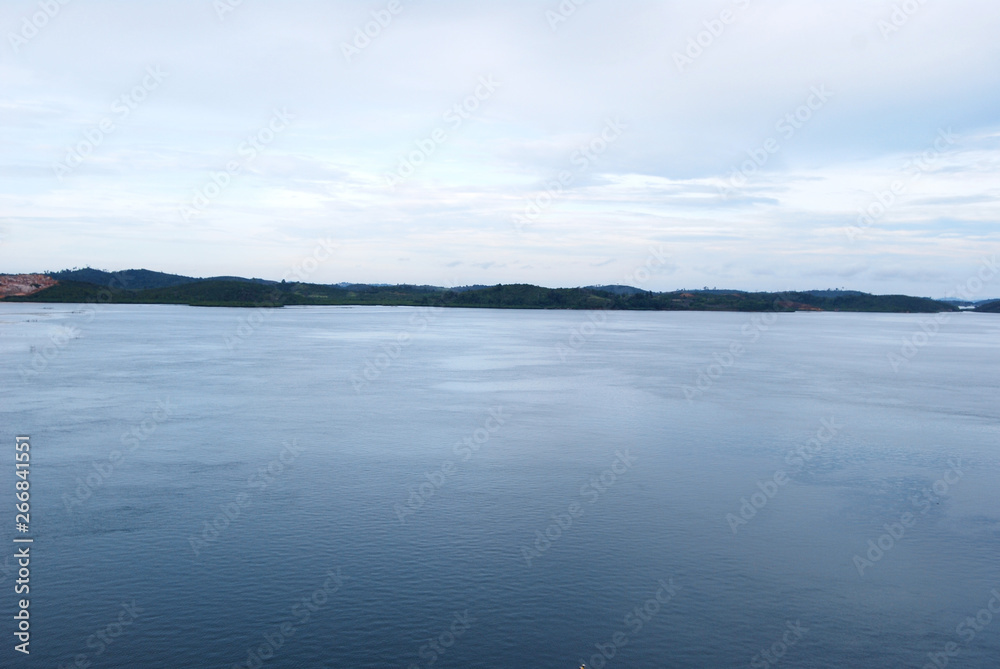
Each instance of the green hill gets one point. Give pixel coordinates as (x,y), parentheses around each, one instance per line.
(248,293)
(131,279)
(989,308)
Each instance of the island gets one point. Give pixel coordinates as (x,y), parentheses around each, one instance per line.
(147,287)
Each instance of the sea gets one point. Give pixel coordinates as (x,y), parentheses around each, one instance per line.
(373,487)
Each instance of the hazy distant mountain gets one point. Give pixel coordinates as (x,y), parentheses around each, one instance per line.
(713,291)
(831,292)
(265,282)
(617,289)
(346,285)
(967,303)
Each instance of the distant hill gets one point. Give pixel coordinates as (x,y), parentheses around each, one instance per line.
(989,307)
(966,303)
(139,279)
(829,292)
(246,293)
(265,282)
(618,289)
(131,279)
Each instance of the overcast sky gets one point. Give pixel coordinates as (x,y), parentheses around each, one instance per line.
(730,144)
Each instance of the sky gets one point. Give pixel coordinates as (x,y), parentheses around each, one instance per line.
(748,144)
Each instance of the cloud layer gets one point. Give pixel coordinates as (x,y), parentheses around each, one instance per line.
(763,144)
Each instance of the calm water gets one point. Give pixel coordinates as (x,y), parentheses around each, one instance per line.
(364,497)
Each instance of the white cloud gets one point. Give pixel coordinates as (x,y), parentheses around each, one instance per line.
(658,184)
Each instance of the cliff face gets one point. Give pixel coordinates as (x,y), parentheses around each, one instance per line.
(24,284)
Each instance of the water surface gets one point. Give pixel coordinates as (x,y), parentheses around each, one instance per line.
(360,492)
